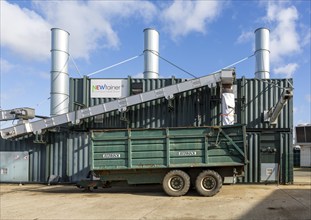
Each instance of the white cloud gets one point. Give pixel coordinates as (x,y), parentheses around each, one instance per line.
(5,66)
(86,27)
(90,23)
(245,37)
(287,70)
(183,17)
(284,37)
(24,32)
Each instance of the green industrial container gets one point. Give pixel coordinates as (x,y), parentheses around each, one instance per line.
(174,157)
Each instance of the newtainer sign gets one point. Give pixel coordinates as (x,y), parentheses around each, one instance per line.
(109,88)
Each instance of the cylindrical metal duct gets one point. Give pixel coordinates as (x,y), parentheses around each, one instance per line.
(262,53)
(151,50)
(59,72)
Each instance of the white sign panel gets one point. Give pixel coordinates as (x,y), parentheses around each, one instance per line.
(108,88)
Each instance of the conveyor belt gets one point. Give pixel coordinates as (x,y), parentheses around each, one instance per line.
(224,76)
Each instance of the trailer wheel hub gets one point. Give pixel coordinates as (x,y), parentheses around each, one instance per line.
(209,183)
(176,183)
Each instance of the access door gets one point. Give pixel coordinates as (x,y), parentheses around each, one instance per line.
(14,166)
(269,156)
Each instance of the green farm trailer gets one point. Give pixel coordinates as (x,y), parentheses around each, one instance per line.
(177,158)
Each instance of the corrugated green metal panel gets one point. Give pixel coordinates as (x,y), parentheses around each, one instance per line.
(68,154)
(47,160)
(287,158)
(282,141)
(255,96)
(253,167)
(186,109)
(37,156)
(65,154)
(173,147)
(57,152)
(80,90)
(194,108)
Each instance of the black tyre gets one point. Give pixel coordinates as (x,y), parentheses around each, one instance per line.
(208,183)
(176,183)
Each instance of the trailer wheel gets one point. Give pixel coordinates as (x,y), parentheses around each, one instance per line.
(176,183)
(208,183)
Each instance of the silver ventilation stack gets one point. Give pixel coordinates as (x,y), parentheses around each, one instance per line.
(151,50)
(262,53)
(59,72)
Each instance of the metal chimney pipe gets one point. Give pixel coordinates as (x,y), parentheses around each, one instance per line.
(262,53)
(151,50)
(59,72)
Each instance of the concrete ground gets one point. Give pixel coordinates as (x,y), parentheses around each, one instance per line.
(302,176)
(149,202)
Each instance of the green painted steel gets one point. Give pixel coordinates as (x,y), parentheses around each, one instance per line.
(168,147)
(257,153)
(254,96)
(45,160)
(37,156)
(198,107)
(67,153)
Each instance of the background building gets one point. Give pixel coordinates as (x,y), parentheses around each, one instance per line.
(303,139)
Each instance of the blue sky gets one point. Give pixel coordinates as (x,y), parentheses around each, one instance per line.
(199,36)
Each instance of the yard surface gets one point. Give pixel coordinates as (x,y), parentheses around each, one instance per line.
(35,201)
